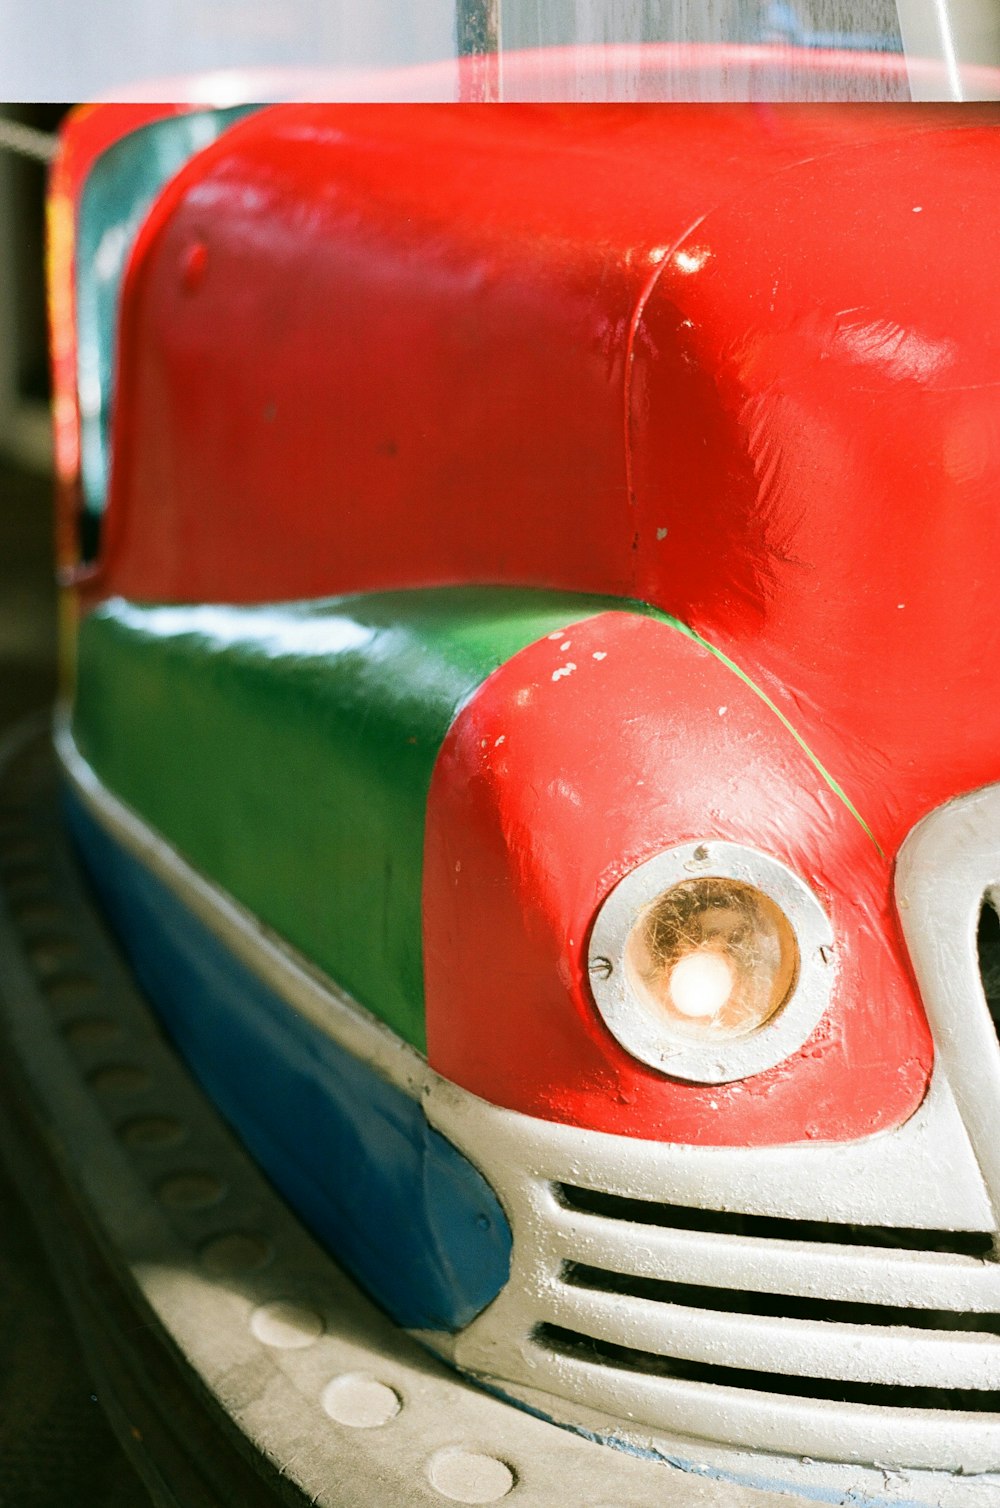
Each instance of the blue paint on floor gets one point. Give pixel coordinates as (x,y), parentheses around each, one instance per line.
(763,1482)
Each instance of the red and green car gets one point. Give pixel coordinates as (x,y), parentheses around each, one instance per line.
(531,716)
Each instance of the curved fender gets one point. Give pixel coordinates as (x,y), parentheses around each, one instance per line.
(581,757)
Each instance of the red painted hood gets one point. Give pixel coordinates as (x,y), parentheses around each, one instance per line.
(739,361)
(814,423)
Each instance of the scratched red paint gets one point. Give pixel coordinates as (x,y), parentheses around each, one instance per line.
(546,792)
(739,362)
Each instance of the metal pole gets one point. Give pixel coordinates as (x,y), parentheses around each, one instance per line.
(955,34)
(477,24)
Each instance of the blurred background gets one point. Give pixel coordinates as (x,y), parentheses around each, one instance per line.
(51,49)
(27,595)
(55,1446)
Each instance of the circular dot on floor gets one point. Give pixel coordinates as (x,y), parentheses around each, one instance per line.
(468,1476)
(24,879)
(36,912)
(193,1190)
(151,1131)
(49,955)
(236,1251)
(120,1078)
(66,988)
(287,1325)
(360,1401)
(87,1031)
(29,887)
(19,850)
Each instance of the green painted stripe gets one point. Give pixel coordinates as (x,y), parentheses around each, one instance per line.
(758,691)
(287,752)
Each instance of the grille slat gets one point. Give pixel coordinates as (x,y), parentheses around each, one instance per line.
(569,1343)
(778,1305)
(898,1355)
(901,1278)
(772,1228)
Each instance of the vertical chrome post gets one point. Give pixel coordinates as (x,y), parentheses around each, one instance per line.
(954,34)
(477,25)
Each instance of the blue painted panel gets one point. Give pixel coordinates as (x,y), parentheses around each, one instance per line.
(394,1201)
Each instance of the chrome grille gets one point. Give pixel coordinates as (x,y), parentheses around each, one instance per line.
(829,1320)
(759,1332)
(840,1343)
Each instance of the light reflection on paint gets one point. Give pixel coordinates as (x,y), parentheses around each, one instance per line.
(900,353)
(272,630)
(692,260)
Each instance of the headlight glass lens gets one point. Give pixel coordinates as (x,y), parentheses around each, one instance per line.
(712,959)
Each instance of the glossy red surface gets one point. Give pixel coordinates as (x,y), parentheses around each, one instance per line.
(740,362)
(553,785)
(495,272)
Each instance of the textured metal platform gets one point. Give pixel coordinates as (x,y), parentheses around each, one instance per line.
(236,1360)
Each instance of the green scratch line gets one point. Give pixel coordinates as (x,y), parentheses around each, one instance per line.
(837,789)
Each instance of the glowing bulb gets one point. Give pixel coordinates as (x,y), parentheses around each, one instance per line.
(711,958)
(700,984)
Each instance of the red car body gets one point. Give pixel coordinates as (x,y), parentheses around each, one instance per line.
(737,364)
(741,369)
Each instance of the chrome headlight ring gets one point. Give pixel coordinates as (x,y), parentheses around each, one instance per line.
(712,879)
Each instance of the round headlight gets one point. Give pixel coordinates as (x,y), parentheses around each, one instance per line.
(715,958)
(711,962)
